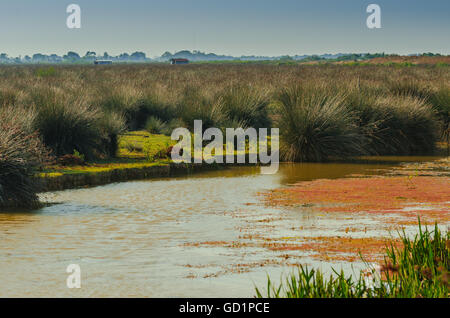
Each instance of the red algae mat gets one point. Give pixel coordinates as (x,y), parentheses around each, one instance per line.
(335,221)
(427,197)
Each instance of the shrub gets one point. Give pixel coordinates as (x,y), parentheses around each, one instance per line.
(21,154)
(164,153)
(132,146)
(128,95)
(442,64)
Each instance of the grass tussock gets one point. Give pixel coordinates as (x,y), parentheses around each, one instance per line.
(406,126)
(22,153)
(315,125)
(440,102)
(395,125)
(247,106)
(419,268)
(68,123)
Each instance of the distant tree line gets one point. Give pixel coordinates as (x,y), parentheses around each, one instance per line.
(73,57)
(194,56)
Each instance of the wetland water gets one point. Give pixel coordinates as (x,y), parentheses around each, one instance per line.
(204,235)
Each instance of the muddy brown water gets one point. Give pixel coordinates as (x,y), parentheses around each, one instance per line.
(140,239)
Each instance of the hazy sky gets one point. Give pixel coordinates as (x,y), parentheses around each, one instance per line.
(235,27)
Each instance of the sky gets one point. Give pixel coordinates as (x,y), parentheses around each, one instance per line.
(231,27)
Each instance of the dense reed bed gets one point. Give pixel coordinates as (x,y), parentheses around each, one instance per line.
(323,112)
(418,268)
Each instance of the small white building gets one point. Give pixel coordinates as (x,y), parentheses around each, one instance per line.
(102,62)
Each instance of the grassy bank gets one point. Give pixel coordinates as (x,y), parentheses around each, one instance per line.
(417,268)
(323,112)
(140,155)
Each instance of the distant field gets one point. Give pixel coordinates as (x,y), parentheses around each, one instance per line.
(417,60)
(390,60)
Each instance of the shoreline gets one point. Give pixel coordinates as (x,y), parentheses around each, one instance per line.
(124,172)
(49,183)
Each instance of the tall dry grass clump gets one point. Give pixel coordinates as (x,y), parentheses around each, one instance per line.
(406,126)
(440,101)
(121,99)
(22,153)
(195,105)
(69,123)
(410,87)
(246,105)
(316,125)
(394,124)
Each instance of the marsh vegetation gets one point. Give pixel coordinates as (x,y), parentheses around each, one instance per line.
(418,267)
(323,112)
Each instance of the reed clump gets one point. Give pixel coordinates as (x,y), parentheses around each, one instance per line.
(395,125)
(22,154)
(67,123)
(419,268)
(316,125)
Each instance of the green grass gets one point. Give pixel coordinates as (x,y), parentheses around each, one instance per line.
(419,268)
(141,144)
(46,72)
(136,149)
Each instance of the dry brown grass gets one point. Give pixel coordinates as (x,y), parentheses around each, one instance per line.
(134,93)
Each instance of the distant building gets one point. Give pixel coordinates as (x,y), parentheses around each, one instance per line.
(102,62)
(179,61)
